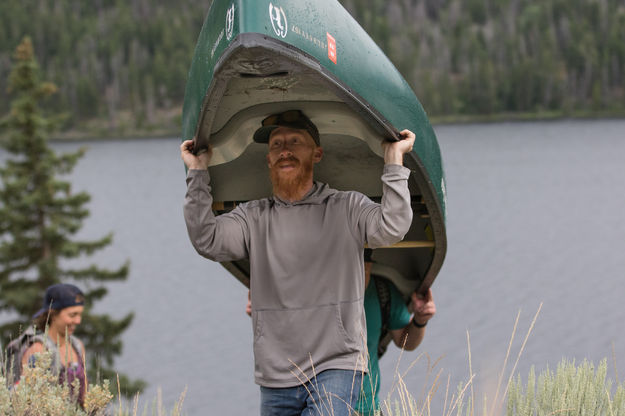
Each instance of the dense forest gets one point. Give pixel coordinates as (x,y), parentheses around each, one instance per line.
(121,65)
(504,56)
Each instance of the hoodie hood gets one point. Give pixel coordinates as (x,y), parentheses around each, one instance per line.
(318,194)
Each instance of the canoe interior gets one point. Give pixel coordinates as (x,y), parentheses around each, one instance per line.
(257,75)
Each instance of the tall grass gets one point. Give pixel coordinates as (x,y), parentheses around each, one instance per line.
(155,408)
(580,390)
(572,390)
(39,394)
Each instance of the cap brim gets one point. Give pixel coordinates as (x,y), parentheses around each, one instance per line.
(262,134)
(39,313)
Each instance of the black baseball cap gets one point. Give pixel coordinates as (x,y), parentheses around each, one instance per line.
(293,119)
(60,296)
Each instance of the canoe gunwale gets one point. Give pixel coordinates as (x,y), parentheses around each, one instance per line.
(298,58)
(438,225)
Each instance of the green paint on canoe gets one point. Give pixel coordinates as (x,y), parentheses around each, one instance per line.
(253,56)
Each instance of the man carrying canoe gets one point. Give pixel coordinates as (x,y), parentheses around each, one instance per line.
(305,248)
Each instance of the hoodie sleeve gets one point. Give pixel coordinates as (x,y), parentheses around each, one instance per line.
(218,238)
(388,222)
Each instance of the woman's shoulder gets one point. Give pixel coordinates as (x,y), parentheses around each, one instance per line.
(78,345)
(37,346)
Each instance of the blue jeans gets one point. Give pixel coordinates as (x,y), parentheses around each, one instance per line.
(329,393)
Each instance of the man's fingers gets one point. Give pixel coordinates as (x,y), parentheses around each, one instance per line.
(187,145)
(407,134)
(424,304)
(425,296)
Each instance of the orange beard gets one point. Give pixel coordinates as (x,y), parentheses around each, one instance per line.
(290,185)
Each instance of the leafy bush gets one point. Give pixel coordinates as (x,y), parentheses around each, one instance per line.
(39,393)
(571,390)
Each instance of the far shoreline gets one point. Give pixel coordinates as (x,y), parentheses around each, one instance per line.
(123,134)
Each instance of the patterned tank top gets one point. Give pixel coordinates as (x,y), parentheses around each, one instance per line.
(73,371)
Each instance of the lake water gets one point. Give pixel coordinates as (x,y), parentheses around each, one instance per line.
(535,217)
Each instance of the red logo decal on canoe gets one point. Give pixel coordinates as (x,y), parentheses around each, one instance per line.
(331,48)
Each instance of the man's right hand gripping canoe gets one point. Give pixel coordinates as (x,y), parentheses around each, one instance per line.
(192,161)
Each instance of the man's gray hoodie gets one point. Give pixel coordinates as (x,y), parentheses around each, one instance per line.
(306,269)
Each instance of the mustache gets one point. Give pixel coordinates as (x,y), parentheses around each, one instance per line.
(286,159)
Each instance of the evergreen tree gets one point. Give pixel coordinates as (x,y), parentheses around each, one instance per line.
(39,215)
(121,66)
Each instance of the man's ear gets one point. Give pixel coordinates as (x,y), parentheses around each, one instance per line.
(317,154)
(268,162)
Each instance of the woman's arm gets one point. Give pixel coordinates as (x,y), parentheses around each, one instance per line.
(37,347)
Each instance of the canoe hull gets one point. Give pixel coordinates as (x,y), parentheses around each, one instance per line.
(243,71)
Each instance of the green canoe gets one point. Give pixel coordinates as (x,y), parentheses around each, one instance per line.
(257,57)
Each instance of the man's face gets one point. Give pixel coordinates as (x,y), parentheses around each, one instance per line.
(291,156)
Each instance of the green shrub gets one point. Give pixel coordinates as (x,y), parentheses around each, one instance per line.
(39,393)
(572,390)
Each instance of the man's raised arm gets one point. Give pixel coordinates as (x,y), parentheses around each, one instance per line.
(221,238)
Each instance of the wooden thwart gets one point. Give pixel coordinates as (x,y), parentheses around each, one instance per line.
(412,244)
(229,205)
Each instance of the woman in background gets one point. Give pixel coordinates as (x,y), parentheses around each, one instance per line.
(61,313)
